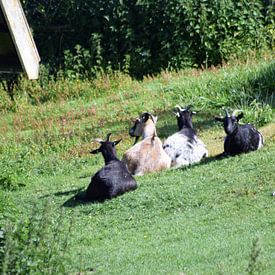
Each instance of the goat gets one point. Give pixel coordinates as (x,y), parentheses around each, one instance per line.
(239,138)
(113,179)
(184,147)
(147,155)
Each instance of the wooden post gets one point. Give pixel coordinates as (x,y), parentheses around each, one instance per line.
(21,36)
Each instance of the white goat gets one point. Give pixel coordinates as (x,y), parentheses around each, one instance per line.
(184,147)
(147,155)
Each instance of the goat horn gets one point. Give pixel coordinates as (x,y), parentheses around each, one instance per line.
(152,117)
(99,140)
(188,107)
(226,113)
(179,108)
(176,114)
(108,136)
(235,112)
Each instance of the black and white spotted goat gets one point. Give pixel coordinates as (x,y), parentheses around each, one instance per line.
(239,138)
(111,180)
(184,147)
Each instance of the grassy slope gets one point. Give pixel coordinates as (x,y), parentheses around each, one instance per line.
(198,220)
(201,219)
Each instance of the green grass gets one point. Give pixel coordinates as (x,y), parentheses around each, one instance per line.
(197,220)
(216,217)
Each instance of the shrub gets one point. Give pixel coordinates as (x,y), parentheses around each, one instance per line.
(151,35)
(34,245)
(259,113)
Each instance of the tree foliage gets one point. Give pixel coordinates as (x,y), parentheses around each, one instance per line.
(147,36)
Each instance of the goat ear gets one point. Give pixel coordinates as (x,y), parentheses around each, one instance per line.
(96,151)
(193,113)
(108,137)
(220,119)
(240,116)
(117,142)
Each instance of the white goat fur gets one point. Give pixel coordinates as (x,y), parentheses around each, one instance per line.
(184,147)
(147,155)
(182,151)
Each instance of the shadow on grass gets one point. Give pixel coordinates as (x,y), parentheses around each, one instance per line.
(76,200)
(80,199)
(204,161)
(64,193)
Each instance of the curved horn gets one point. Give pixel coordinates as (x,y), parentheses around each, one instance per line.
(188,107)
(226,113)
(108,137)
(99,140)
(235,112)
(179,108)
(152,117)
(176,114)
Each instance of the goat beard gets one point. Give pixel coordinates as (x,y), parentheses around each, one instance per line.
(136,140)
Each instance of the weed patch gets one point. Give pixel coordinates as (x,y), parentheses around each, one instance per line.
(35,244)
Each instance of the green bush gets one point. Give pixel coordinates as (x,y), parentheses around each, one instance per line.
(259,113)
(35,245)
(149,35)
(14,169)
(5,101)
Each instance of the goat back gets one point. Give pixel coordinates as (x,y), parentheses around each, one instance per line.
(147,156)
(185,148)
(246,139)
(110,181)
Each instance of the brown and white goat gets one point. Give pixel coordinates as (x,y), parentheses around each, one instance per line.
(147,155)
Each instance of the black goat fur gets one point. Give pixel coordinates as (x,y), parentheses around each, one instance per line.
(245,139)
(239,138)
(111,180)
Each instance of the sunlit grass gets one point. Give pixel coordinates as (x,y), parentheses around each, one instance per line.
(203,219)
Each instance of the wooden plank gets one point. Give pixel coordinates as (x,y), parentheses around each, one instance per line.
(21,36)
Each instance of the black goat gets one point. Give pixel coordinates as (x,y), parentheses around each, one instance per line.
(239,138)
(111,180)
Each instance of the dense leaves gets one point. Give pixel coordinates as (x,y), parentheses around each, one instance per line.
(145,36)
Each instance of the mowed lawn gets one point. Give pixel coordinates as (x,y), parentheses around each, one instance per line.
(204,219)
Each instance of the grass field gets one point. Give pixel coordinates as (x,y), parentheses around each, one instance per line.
(217,217)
